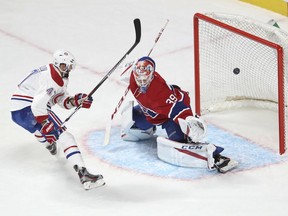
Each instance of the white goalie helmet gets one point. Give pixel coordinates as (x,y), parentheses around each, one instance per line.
(143,71)
(66,58)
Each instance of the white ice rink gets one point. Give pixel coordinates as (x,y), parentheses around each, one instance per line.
(98,33)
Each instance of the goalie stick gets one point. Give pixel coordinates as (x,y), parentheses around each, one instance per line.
(129,65)
(137,26)
(109,124)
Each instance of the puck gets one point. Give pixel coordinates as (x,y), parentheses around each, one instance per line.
(236,71)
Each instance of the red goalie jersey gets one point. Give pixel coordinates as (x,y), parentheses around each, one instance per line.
(161,102)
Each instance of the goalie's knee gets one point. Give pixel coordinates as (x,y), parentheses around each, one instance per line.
(130,132)
(136,134)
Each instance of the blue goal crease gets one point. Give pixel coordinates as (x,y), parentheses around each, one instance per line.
(142,157)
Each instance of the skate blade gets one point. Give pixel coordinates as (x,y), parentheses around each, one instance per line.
(231,165)
(91,185)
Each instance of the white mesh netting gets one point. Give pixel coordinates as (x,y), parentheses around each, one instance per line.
(237,71)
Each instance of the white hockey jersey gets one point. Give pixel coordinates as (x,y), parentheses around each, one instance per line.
(41,89)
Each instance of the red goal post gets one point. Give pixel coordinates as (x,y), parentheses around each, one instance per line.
(240,62)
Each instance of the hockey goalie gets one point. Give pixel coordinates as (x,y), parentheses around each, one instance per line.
(168,106)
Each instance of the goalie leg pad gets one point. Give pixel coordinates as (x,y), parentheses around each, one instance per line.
(134,126)
(136,134)
(127,117)
(187,154)
(182,154)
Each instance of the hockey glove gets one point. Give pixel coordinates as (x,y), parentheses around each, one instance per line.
(83,99)
(194,127)
(48,130)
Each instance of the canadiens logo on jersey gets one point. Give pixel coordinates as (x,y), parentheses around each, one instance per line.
(148,112)
(49,91)
(55,98)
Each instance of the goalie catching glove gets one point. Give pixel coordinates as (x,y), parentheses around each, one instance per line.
(194,127)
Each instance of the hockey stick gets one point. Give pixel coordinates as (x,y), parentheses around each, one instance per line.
(137,26)
(129,65)
(109,124)
(157,38)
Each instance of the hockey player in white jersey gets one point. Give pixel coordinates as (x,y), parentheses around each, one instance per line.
(31,105)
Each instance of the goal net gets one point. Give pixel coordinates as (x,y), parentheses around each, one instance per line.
(240,62)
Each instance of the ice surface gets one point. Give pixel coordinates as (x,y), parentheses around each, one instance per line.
(98,33)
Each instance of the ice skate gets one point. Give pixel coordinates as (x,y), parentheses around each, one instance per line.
(224,164)
(52,148)
(89,180)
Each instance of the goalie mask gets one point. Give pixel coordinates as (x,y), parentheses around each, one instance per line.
(64,61)
(143,72)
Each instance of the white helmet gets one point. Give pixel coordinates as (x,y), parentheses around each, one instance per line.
(64,57)
(143,72)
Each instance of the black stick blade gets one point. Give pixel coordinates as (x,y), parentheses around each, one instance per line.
(137,25)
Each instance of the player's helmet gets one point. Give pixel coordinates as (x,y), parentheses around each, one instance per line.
(143,71)
(66,58)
